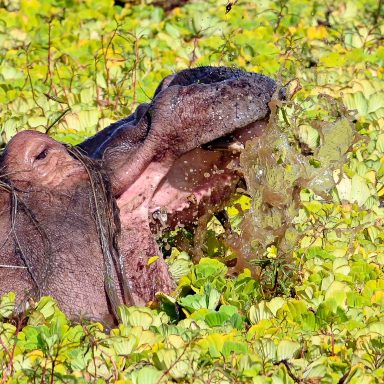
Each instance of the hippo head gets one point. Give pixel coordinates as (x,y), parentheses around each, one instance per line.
(50,226)
(75,223)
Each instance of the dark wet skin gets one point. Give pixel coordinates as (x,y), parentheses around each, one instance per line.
(155,163)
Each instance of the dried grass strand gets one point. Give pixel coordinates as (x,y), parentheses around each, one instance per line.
(108,226)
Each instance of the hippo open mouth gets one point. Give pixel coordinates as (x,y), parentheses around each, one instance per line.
(79,222)
(202,177)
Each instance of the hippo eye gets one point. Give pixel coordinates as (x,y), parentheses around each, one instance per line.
(42,155)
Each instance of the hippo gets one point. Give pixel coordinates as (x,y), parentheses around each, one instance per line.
(78,223)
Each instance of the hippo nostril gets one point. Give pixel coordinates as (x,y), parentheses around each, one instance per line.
(42,155)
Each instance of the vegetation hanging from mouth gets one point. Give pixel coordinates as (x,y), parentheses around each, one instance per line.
(278,166)
(107,221)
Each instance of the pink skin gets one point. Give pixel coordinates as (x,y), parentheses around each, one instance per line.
(138,244)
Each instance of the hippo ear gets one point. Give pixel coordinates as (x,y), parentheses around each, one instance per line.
(164,84)
(182,118)
(95,146)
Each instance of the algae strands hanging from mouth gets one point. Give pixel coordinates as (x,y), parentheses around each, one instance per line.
(276,169)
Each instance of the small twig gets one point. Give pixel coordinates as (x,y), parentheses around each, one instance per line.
(344,377)
(134,77)
(92,344)
(98,97)
(62,84)
(6,350)
(119,91)
(105,55)
(229,6)
(136,41)
(193,58)
(283,5)
(297,88)
(26,49)
(166,372)
(378,11)
(55,98)
(49,75)
(57,119)
(290,373)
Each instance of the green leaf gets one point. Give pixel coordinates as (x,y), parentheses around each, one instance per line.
(333,60)
(10,128)
(124,346)
(359,190)
(47,307)
(287,349)
(266,349)
(179,268)
(233,347)
(210,300)
(309,136)
(260,312)
(215,319)
(375,102)
(147,375)
(177,363)
(7,305)
(320,253)
(357,102)
(37,121)
(336,139)
(207,271)
(380,143)
(136,317)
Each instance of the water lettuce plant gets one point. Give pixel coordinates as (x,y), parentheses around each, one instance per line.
(304,305)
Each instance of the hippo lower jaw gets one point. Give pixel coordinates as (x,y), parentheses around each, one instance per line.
(145,278)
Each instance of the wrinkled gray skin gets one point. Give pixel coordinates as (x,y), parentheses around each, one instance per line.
(154,166)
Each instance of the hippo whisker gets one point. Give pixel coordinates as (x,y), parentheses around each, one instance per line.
(12,266)
(4,186)
(13,173)
(39,279)
(7,237)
